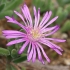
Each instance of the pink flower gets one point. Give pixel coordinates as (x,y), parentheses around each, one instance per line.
(35,33)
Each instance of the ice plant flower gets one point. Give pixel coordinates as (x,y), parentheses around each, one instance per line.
(35,33)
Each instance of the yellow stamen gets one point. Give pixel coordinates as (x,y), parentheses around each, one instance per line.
(35,34)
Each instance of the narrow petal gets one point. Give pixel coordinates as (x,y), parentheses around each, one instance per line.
(48,29)
(38,16)
(55,45)
(12,32)
(56,29)
(13,35)
(50,22)
(43,52)
(25,15)
(28,13)
(29,48)
(47,18)
(30,54)
(39,54)
(35,15)
(23,47)
(37,19)
(52,46)
(57,40)
(7,17)
(9,37)
(20,16)
(14,22)
(34,54)
(15,41)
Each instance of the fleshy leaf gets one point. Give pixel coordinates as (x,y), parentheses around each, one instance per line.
(62,15)
(66,26)
(14,53)
(2,7)
(4,51)
(8,13)
(13,5)
(20,59)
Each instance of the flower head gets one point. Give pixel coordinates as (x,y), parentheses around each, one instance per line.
(34,34)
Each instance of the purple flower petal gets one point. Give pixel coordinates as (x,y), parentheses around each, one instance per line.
(56,47)
(47,18)
(23,47)
(15,42)
(28,14)
(30,54)
(50,22)
(25,15)
(37,18)
(34,53)
(58,40)
(14,22)
(35,14)
(44,41)
(9,37)
(29,48)
(52,46)
(48,29)
(43,52)
(20,16)
(39,54)
(57,28)
(7,17)
(12,32)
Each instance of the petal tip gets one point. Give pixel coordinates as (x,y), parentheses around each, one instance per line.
(64,40)
(50,12)
(19,52)
(6,17)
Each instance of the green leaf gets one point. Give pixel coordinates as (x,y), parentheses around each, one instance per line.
(10,48)
(63,2)
(66,26)
(6,13)
(42,4)
(13,5)
(62,14)
(48,4)
(53,9)
(14,53)
(67,1)
(14,26)
(2,7)
(4,51)
(60,2)
(2,1)
(20,59)
(68,8)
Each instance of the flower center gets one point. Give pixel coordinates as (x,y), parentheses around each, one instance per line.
(35,34)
